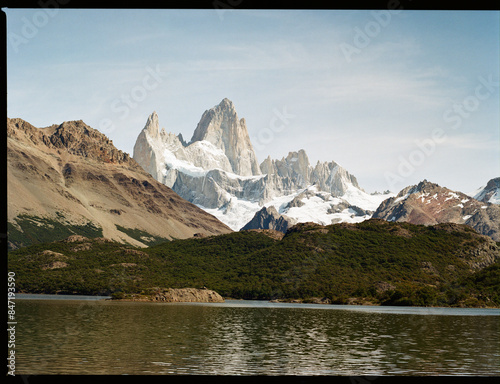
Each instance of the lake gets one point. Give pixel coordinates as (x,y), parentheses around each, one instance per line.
(83,335)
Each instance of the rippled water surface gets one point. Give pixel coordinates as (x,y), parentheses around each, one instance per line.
(248,338)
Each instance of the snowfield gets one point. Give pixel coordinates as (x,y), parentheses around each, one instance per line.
(315,209)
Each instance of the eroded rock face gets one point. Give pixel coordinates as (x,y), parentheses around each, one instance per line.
(73,137)
(295,172)
(221,127)
(428,203)
(483,256)
(181,295)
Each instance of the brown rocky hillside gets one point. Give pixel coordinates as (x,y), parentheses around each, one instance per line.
(72,175)
(429,204)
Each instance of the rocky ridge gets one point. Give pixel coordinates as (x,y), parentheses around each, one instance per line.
(429,204)
(74,137)
(327,176)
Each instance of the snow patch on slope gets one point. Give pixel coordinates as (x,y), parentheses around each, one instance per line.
(316,207)
(364,200)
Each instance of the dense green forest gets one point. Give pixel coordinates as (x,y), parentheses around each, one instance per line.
(374,262)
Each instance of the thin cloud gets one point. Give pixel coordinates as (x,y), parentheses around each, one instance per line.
(373,107)
(469,142)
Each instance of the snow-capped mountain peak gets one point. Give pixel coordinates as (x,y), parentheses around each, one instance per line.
(218,171)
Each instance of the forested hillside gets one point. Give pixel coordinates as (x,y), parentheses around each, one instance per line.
(370,262)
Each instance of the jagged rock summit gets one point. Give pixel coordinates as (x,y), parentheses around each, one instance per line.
(220,141)
(328,176)
(429,204)
(70,179)
(153,126)
(218,171)
(221,127)
(73,137)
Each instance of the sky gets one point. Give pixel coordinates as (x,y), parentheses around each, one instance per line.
(393,96)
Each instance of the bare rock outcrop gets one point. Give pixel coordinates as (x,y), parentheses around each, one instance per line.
(221,126)
(269,218)
(295,171)
(74,137)
(179,295)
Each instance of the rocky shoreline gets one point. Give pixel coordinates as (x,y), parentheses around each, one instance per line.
(366,301)
(325,300)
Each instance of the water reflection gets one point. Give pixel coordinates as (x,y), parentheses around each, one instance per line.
(102,337)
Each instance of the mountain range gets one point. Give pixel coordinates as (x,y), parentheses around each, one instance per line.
(228,182)
(69,179)
(218,171)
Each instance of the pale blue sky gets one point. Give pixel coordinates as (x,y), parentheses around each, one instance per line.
(350,86)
